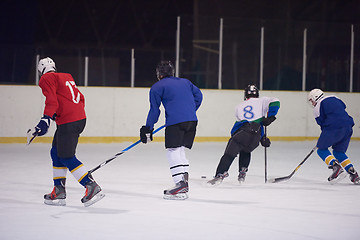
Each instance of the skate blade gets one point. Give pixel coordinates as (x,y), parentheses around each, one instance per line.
(356,182)
(57,202)
(95,199)
(271,180)
(213,183)
(179,196)
(338,179)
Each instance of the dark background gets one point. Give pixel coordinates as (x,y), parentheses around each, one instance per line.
(106,31)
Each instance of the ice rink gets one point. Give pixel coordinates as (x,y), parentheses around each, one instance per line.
(306,207)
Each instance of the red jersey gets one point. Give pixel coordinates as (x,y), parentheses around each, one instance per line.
(62,97)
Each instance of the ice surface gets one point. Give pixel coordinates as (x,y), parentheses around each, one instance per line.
(306,207)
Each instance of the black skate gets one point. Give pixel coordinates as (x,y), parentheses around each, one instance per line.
(354,177)
(92,194)
(242,175)
(179,192)
(218,179)
(56,197)
(337,170)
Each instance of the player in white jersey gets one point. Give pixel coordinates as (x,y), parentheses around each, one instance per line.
(251,115)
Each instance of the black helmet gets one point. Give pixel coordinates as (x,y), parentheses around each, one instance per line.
(165,69)
(251,91)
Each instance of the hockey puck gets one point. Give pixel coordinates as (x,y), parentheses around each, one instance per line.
(203,176)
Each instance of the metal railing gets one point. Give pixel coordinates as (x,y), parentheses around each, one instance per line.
(225,53)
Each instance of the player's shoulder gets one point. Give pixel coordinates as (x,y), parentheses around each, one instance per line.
(330,103)
(258,100)
(272,99)
(63,75)
(329,99)
(47,77)
(54,75)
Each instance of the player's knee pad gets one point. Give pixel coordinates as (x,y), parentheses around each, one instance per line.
(55,158)
(53,153)
(176,157)
(173,154)
(232,148)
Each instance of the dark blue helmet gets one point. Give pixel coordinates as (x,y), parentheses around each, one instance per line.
(165,69)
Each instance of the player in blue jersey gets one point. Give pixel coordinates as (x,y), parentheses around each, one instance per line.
(251,115)
(181,99)
(336,130)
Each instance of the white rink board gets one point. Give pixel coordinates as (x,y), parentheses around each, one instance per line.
(113,112)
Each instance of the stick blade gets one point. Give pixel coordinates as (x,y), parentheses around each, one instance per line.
(280,179)
(30,136)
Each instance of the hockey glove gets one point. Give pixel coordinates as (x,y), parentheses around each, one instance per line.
(146,135)
(267,121)
(43,126)
(265,141)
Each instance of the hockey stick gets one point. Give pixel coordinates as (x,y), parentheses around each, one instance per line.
(123,151)
(30,136)
(265,159)
(281,179)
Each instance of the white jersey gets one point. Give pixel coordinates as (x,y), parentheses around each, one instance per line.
(253,109)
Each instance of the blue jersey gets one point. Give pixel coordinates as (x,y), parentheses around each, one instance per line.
(179,97)
(330,114)
(336,125)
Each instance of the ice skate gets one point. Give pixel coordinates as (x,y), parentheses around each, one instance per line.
(242,175)
(92,194)
(218,179)
(179,192)
(337,170)
(354,177)
(56,197)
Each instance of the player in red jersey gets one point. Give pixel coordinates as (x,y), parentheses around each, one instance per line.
(64,104)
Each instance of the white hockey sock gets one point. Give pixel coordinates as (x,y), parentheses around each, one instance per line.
(59,172)
(184,160)
(177,167)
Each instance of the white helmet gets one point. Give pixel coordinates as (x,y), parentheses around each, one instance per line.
(315,95)
(46,65)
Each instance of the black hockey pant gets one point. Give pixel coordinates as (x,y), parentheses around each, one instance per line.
(244,141)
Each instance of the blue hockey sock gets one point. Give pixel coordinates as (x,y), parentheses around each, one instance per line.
(343,159)
(59,169)
(77,169)
(326,156)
